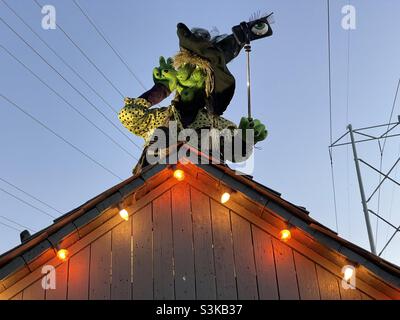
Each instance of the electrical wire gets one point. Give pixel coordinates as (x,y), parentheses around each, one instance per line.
(27,203)
(67,102)
(329,71)
(18,224)
(8,226)
(85,55)
(349,211)
(30,195)
(60,137)
(61,58)
(330,115)
(334,190)
(101,34)
(382,150)
(67,81)
(392,111)
(391,200)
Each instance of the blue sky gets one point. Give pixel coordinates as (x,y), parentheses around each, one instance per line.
(290,95)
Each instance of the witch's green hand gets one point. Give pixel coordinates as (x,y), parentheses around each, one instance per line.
(191,76)
(260,133)
(165,74)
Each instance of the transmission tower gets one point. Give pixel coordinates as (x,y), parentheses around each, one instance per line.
(362,135)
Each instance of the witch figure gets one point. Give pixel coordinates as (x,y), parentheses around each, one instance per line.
(203,87)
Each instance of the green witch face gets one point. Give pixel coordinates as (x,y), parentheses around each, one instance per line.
(187,79)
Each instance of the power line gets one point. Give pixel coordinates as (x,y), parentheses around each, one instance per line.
(330,114)
(67,102)
(68,82)
(329,71)
(391,200)
(27,203)
(334,190)
(349,212)
(8,226)
(60,137)
(85,55)
(18,224)
(101,34)
(382,150)
(58,56)
(29,195)
(391,113)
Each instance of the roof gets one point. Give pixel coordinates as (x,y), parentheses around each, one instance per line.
(263,201)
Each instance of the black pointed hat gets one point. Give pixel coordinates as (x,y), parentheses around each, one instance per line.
(217,52)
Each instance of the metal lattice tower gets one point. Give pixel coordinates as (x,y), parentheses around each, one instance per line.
(362,135)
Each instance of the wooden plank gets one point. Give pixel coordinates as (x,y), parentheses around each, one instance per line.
(319,257)
(328,284)
(203,246)
(26,278)
(34,291)
(349,294)
(265,265)
(18,296)
(121,287)
(100,268)
(364,296)
(143,254)
(60,292)
(185,287)
(223,252)
(306,277)
(286,272)
(163,248)
(313,250)
(244,258)
(78,275)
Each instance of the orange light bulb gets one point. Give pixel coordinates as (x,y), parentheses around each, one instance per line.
(179,175)
(62,254)
(285,235)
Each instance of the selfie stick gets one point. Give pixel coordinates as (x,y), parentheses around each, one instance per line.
(247,48)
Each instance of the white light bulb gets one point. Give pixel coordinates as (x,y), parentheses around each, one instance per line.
(124,214)
(225,197)
(348,273)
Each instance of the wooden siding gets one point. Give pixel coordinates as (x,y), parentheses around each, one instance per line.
(183,244)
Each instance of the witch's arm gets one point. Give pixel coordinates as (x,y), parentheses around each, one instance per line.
(137,115)
(139,119)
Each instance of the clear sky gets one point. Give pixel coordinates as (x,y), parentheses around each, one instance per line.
(290,95)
